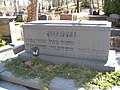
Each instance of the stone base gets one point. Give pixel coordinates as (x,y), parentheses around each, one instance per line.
(98,65)
(59,83)
(11,52)
(7,76)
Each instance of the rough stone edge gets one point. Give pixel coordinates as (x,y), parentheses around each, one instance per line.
(7,76)
(33,83)
(11,52)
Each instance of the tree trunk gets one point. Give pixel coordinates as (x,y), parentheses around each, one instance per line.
(78,6)
(62,3)
(33,11)
(98,4)
(58,3)
(15,7)
(93,3)
(4,3)
(67,3)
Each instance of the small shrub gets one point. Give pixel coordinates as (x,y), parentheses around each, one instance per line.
(85,3)
(2,42)
(112,7)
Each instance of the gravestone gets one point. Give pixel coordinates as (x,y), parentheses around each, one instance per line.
(4,27)
(49,17)
(68,17)
(43,17)
(85,39)
(7,28)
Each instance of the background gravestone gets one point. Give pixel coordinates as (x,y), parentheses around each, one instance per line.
(43,17)
(4,29)
(7,29)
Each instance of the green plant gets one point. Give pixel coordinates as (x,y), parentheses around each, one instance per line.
(83,76)
(85,3)
(2,42)
(46,71)
(112,7)
(105,80)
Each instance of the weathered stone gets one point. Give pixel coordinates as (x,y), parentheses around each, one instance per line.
(7,76)
(7,28)
(86,39)
(68,17)
(4,27)
(11,52)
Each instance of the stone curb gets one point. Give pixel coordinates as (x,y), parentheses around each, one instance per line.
(11,52)
(7,76)
(56,83)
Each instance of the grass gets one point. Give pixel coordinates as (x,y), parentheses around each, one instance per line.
(82,76)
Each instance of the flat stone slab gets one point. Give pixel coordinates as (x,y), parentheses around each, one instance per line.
(2,67)
(7,76)
(114,60)
(11,52)
(62,84)
(9,86)
(98,65)
(56,83)
(4,48)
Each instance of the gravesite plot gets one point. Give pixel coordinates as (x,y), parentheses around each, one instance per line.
(60,45)
(67,46)
(80,40)
(77,41)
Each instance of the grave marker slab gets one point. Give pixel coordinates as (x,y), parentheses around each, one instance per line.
(84,39)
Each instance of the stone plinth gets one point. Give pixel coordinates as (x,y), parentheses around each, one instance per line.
(85,39)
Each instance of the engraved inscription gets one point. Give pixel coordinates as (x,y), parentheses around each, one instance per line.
(61,34)
(61,42)
(92,51)
(61,48)
(69,43)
